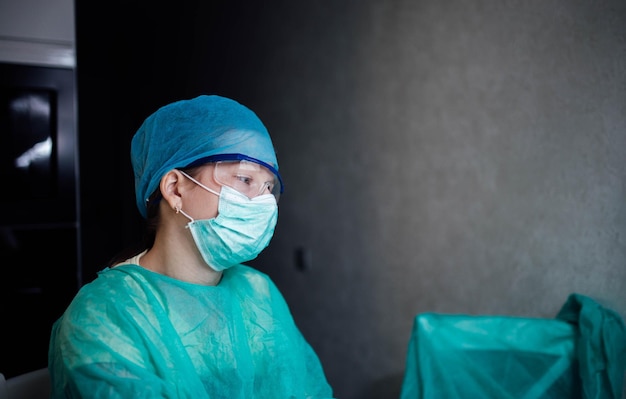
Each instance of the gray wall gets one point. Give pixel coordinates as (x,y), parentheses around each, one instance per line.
(439,156)
(463,157)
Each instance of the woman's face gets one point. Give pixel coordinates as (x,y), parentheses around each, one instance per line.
(198,202)
(249,178)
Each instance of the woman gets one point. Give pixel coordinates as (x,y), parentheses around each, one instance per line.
(183,317)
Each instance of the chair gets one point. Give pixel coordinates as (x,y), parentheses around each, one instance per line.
(31,385)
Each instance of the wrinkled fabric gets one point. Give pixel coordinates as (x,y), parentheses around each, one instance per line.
(601,346)
(490,357)
(186,131)
(133,333)
(580,354)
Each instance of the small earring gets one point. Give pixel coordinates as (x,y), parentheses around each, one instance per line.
(177,209)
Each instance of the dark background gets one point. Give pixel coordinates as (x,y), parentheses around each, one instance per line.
(458,157)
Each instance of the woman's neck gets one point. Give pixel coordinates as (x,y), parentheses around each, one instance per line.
(177,256)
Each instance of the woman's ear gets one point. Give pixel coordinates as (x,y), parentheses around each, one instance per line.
(170,188)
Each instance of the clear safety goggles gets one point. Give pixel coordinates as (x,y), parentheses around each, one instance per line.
(249,178)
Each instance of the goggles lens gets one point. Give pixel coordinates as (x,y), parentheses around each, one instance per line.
(249,178)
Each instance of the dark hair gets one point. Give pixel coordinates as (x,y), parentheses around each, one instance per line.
(149,232)
(150,224)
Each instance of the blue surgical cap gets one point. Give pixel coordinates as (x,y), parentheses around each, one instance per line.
(189,131)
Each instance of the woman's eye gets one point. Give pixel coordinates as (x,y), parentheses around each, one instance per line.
(244,179)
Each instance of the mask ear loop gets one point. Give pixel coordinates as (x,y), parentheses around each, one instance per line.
(179,210)
(200,184)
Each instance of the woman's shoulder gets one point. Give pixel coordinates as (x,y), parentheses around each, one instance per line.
(110,286)
(248,273)
(241,276)
(113,279)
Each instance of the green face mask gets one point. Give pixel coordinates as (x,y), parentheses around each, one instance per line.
(242,228)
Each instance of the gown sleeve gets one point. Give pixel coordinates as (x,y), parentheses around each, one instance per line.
(311,373)
(106,346)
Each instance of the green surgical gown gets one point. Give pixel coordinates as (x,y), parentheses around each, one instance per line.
(133,333)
